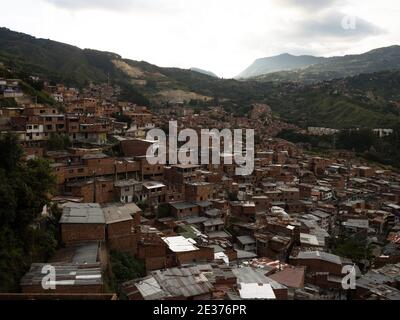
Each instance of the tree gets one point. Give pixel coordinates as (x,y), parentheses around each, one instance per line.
(58,142)
(163,211)
(125,267)
(123,118)
(25,235)
(355,248)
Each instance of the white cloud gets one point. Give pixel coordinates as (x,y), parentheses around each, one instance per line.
(223,36)
(336,25)
(118,5)
(309,4)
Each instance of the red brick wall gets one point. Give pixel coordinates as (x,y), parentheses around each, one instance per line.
(195,193)
(183,213)
(318,266)
(125,243)
(64,289)
(115,230)
(134,148)
(72,233)
(204,254)
(121,237)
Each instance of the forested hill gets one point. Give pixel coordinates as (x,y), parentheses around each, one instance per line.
(365,100)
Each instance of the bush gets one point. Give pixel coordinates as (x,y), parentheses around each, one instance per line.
(58,142)
(125,268)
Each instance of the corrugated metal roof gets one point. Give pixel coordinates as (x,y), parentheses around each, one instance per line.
(187,282)
(118,213)
(79,213)
(180,244)
(246,240)
(256,291)
(320,255)
(150,289)
(65,274)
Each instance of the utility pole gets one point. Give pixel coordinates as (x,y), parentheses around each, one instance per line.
(94,187)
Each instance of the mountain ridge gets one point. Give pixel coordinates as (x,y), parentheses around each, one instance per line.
(376,60)
(206,72)
(281,62)
(345,102)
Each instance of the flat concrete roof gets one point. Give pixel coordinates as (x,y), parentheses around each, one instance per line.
(82,213)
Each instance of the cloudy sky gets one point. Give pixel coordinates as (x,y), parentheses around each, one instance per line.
(223,36)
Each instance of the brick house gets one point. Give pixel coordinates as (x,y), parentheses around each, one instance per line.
(81,222)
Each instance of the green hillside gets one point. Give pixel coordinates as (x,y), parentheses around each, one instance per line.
(382,59)
(371,101)
(366,100)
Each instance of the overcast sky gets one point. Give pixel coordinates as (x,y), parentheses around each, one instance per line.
(223,36)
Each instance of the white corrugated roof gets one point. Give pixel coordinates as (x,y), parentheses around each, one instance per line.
(221,256)
(180,244)
(256,291)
